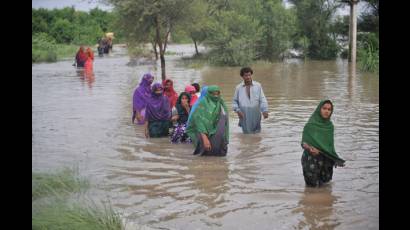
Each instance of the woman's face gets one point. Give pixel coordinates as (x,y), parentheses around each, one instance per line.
(215,93)
(158,91)
(326,111)
(168,85)
(184,99)
(150,80)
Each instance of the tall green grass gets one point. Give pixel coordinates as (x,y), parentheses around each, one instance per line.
(60,183)
(61,208)
(63,215)
(368,58)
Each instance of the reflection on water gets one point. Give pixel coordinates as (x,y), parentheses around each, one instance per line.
(87,76)
(259,183)
(316,204)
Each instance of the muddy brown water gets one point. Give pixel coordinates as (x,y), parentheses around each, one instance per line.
(86,121)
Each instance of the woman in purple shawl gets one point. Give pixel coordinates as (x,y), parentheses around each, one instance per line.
(157,113)
(141,94)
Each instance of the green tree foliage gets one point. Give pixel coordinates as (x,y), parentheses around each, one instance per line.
(314,17)
(233,39)
(369,19)
(62,30)
(67,25)
(150,20)
(278,26)
(43,48)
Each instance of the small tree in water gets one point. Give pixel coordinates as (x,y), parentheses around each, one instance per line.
(146,20)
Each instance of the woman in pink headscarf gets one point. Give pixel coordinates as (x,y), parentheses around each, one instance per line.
(191,90)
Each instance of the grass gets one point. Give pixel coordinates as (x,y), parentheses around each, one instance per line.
(60,183)
(58,52)
(63,215)
(368,58)
(57,211)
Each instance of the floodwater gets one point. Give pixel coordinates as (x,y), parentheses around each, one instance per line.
(86,122)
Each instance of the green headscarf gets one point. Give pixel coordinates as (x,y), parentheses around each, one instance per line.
(318,132)
(206,116)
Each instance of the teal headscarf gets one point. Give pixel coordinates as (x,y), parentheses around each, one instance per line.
(319,133)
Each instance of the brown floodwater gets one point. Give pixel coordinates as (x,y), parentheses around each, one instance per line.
(85,121)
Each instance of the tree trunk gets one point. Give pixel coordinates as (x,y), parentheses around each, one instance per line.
(352,32)
(154,46)
(196,47)
(161,47)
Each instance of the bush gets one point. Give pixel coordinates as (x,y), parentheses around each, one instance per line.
(368,52)
(232,39)
(43,48)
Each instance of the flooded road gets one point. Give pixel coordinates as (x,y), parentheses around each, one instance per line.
(86,122)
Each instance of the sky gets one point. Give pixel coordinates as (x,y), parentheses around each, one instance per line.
(83,5)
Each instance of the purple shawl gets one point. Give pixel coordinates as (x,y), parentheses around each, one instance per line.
(157,106)
(142,93)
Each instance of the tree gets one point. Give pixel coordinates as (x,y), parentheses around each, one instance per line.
(197,22)
(314,18)
(369,20)
(140,17)
(63,31)
(232,38)
(278,25)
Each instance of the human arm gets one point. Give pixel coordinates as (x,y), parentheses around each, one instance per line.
(263,104)
(235,104)
(207,143)
(312,150)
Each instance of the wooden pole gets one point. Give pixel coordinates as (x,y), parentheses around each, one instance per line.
(353,31)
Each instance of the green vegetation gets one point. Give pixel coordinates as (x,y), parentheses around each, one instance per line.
(57,33)
(236,32)
(56,204)
(62,182)
(368,52)
(69,216)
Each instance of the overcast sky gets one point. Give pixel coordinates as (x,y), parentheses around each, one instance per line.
(83,5)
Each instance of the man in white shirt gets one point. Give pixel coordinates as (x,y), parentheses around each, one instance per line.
(249,102)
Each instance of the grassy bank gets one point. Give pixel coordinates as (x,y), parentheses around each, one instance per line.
(57,53)
(56,204)
(45,49)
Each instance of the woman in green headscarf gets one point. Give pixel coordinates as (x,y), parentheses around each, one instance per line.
(319,155)
(208,127)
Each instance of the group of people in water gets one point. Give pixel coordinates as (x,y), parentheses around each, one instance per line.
(201,117)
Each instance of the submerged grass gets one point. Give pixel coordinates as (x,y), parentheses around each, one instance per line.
(61,209)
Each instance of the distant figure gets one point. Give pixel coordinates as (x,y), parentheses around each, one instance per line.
(100,47)
(80,57)
(179,134)
(191,90)
(157,114)
(319,155)
(248,102)
(141,95)
(197,89)
(90,59)
(169,91)
(209,125)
